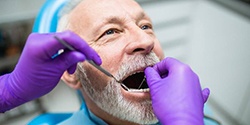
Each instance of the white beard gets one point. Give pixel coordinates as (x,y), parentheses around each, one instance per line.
(110,98)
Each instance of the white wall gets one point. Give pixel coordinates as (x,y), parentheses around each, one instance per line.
(15,10)
(220,53)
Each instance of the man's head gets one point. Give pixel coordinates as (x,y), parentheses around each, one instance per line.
(122,34)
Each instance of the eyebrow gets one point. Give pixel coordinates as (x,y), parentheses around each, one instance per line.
(142,15)
(109,20)
(119,20)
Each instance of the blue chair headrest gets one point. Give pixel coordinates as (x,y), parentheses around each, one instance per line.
(47,18)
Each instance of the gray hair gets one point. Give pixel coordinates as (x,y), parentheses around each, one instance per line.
(63,14)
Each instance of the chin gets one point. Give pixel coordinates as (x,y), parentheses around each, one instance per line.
(129,106)
(130,99)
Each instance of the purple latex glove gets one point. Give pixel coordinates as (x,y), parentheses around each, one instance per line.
(177,98)
(37,73)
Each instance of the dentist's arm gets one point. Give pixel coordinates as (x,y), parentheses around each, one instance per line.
(36,73)
(177,97)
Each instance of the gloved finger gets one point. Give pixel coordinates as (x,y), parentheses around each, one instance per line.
(68,60)
(167,66)
(151,76)
(205,93)
(72,69)
(80,45)
(43,46)
(48,43)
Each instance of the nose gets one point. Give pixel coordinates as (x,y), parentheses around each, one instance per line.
(139,41)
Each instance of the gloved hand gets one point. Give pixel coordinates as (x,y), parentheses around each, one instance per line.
(177,98)
(37,73)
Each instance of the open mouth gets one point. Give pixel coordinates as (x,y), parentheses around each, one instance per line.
(136,82)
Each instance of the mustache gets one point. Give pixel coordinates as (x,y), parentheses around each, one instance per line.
(136,62)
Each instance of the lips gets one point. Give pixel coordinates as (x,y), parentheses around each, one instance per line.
(131,74)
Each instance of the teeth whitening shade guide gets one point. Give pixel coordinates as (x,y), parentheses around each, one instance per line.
(89,61)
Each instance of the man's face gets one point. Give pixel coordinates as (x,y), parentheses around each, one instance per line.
(122,34)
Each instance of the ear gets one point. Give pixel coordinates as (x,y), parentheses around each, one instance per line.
(71,80)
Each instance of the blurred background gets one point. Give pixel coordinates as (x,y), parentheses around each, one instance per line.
(212,36)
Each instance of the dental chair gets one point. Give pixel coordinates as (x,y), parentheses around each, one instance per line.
(53,118)
(46,22)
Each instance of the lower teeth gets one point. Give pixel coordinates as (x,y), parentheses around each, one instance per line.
(139,90)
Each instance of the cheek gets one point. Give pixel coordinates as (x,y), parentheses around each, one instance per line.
(158,50)
(97,78)
(111,56)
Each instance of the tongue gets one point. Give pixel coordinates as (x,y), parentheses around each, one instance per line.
(134,81)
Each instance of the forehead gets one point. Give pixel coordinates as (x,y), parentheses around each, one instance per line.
(108,6)
(90,12)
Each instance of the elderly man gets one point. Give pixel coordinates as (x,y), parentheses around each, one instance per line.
(123,36)
(153,90)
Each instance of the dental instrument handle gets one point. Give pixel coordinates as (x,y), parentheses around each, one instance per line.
(100,68)
(64,43)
